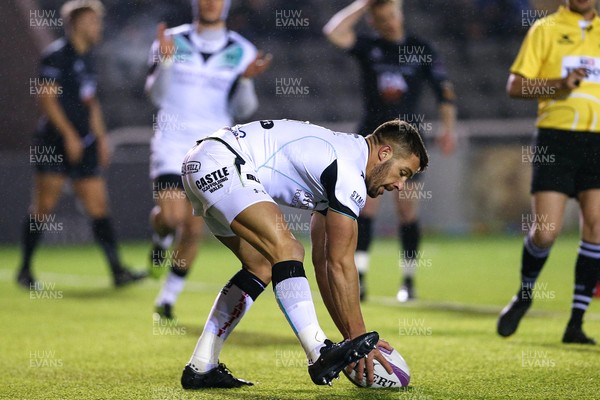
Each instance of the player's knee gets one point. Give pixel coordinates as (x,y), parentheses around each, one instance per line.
(544,238)
(591,230)
(170,219)
(289,249)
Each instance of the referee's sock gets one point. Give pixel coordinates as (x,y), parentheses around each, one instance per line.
(532,262)
(231,305)
(410,238)
(106,238)
(587,269)
(292,293)
(30,240)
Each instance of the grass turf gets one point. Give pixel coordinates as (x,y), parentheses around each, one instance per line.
(82,339)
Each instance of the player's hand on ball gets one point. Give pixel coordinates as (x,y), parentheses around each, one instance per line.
(166,45)
(367,363)
(258,66)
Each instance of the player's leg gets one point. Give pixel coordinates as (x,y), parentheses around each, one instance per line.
(587,267)
(364,239)
(180,260)
(232,303)
(47,188)
(548,209)
(92,192)
(407,207)
(166,218)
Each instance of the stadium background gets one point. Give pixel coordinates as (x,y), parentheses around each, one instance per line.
(482,188)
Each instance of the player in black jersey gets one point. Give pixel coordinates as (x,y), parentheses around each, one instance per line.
(73,136)
(394,66)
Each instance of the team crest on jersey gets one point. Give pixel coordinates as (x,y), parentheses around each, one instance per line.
(231,57)
(190,167)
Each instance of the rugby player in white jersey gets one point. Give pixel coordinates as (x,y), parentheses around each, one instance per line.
(200,80)
(237,178)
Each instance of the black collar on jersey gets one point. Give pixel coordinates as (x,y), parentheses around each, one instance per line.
(206,56)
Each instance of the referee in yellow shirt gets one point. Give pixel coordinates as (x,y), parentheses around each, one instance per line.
(559,64)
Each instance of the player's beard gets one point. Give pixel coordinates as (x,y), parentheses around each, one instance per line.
(377,177)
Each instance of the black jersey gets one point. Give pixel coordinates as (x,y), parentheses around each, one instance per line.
(74,76)
(392,77)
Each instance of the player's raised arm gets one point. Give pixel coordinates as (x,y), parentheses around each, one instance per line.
(340,28)
(161,59)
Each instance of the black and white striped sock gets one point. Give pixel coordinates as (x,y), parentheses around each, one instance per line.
(586,276)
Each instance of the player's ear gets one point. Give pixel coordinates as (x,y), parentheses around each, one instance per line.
(385,152)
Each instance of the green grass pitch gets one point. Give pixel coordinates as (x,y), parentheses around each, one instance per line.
(82,339)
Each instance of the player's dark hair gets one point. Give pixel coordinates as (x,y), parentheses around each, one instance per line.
(379,3)
(73,9)
(404,139)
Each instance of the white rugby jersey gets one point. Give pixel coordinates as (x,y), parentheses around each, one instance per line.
(304,166)
(195,86)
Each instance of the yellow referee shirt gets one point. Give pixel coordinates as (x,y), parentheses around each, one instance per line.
(553,47)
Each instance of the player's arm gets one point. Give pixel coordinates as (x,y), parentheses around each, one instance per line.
(447,112)
(521,87)
(340,28)
(319,259)
(98,128)
(161,60)
(55,113)
(243,101)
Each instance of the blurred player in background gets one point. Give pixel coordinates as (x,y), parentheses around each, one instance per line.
(559,64)
(200,79)
(73,126)
(237,177)
(394,65)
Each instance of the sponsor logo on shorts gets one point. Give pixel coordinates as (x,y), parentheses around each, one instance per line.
(213,181)
(190,167)
(252,178)
(303,200)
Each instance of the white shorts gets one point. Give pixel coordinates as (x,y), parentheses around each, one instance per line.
(216,189)
(167,155)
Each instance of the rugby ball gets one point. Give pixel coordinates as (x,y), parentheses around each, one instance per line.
(400,376)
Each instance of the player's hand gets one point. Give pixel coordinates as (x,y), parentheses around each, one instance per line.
(103,151)
(574,78)
(73,149)
(166,45)
(258,66)
(367,363)
(447,143)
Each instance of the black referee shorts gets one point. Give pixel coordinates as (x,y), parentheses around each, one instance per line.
(48,156)
(564,161)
